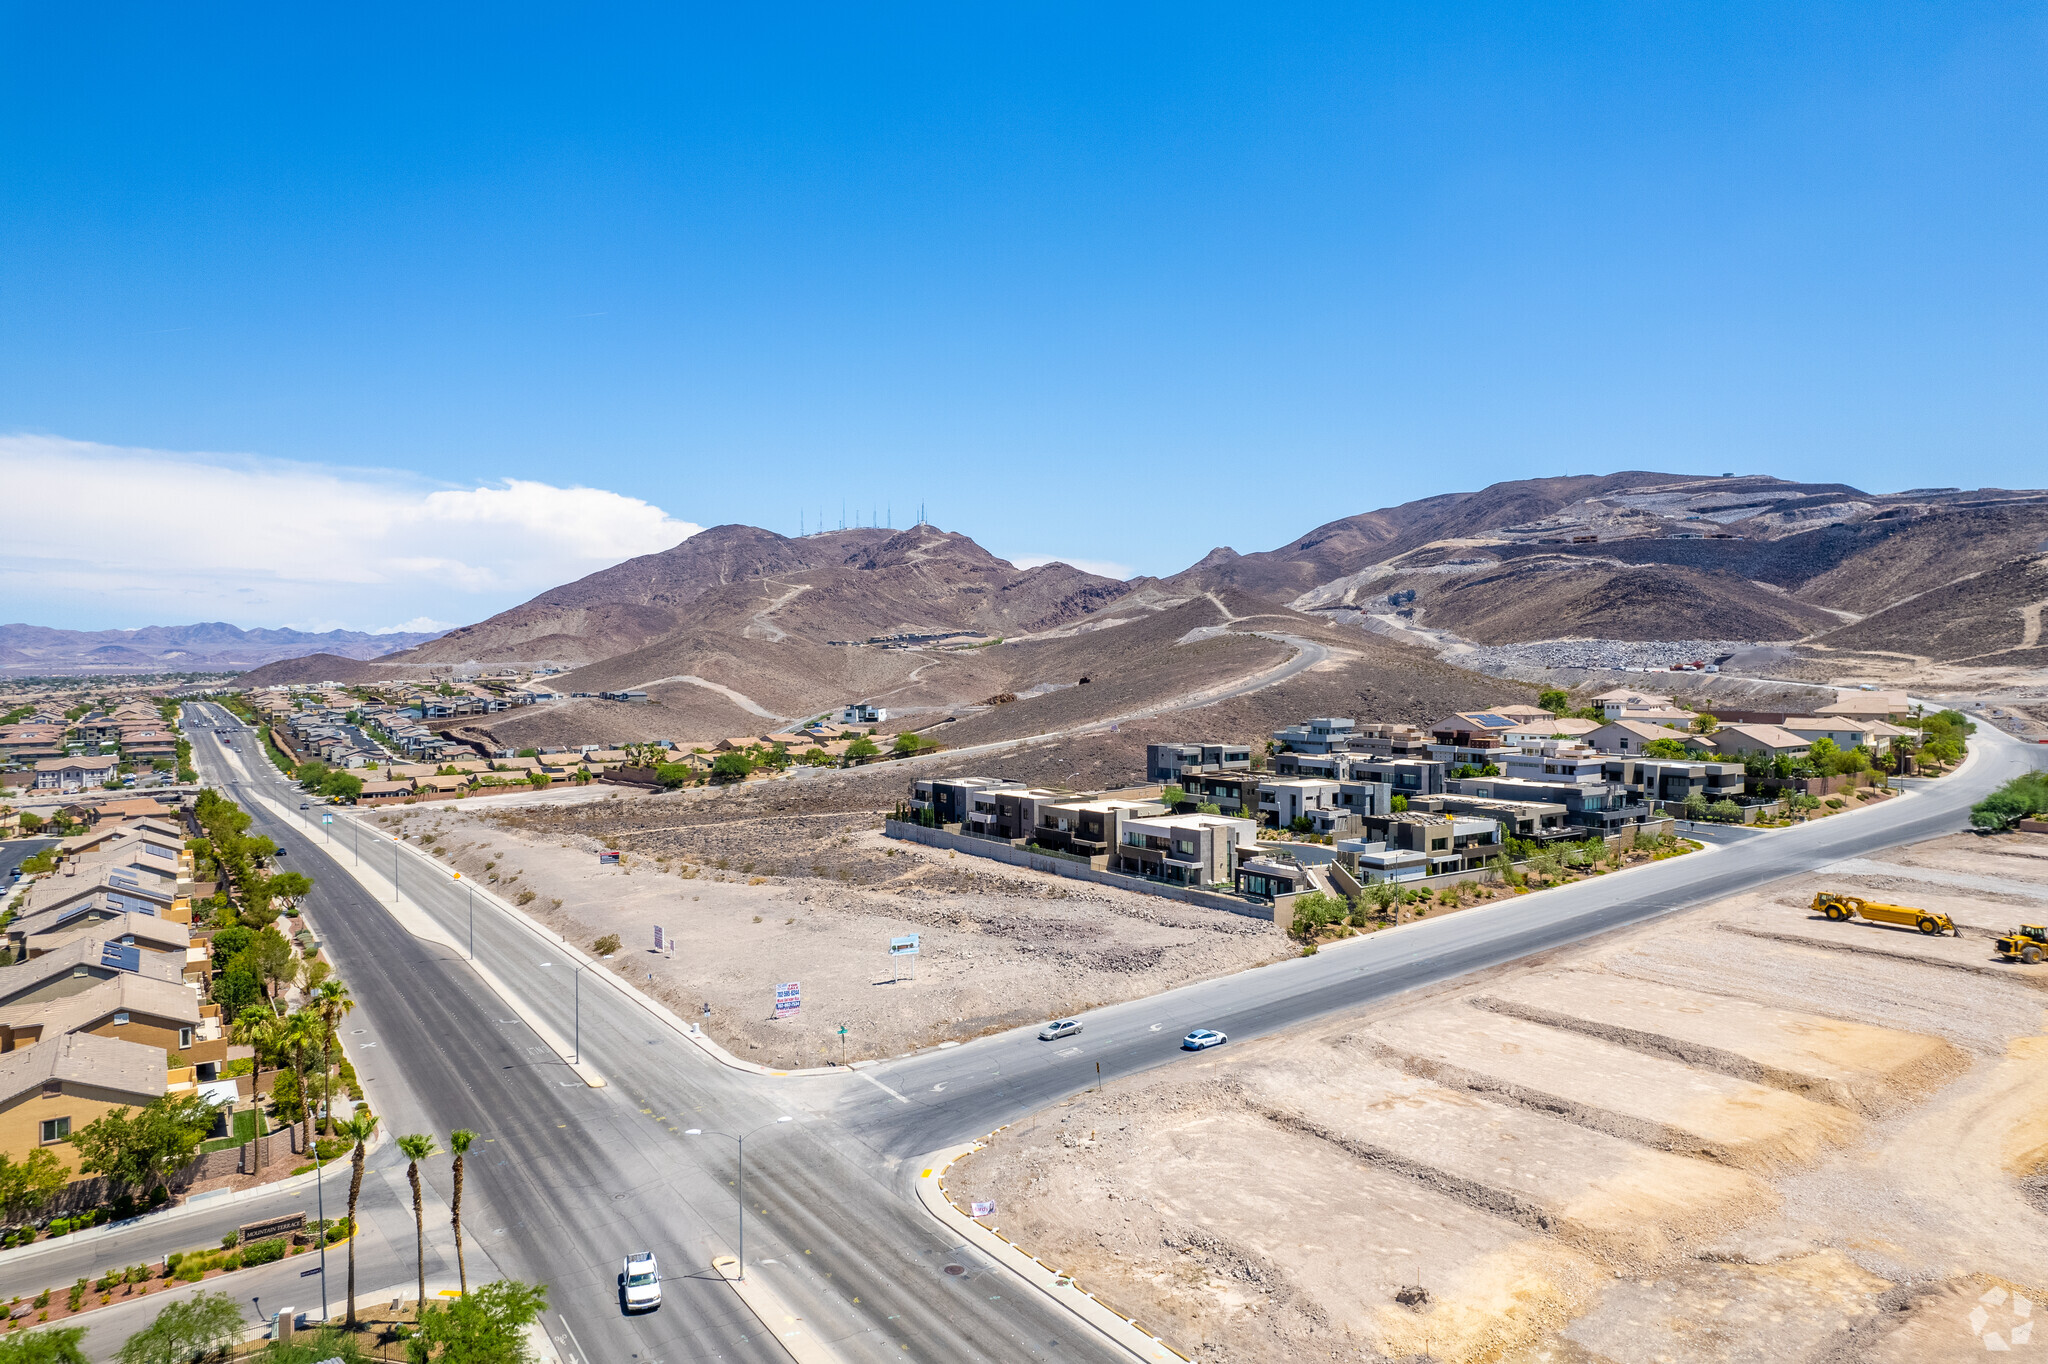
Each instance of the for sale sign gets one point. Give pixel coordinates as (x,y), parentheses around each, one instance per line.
(984,1209)
(657,937)
(789,997)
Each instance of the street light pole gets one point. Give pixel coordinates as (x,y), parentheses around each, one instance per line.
(576,976)
(320,1196)
(741,1142)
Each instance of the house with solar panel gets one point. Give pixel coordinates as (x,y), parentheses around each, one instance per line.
(1472,738)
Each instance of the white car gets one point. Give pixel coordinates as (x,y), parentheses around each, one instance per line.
(640,1282)
(1201,1039)
(1058,1028)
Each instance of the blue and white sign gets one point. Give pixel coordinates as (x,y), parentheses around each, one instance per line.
(905,946)
(789,997)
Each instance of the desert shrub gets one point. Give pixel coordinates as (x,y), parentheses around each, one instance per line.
(607,945)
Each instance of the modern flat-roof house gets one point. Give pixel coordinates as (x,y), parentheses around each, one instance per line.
(1287,799)
(861,714)
(1474,737)
(945,799)
(1008,811)
(1602,807)
(1182,850)
(1325,734)
(1612,703)
(1449,843)
(1673,779)
(1269,878)
(1173,762)
(1232,793)
(50,1092)
(1539,820)
(1089,828)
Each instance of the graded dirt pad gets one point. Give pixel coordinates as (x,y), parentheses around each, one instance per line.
(747,905)
(1734,1135)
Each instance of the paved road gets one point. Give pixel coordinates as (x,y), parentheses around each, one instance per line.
(574,1176)
(15,851)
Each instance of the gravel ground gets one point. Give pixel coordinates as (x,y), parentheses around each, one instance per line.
(748,904)
(1530,1193)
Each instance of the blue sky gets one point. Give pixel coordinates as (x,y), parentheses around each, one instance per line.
(1109,287)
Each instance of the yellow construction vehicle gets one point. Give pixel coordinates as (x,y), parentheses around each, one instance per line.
(1839,907)
(2027,943)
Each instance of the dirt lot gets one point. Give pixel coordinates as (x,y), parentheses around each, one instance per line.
(750,902)
(1744,1134)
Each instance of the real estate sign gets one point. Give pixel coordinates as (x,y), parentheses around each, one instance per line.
(904,946)
(789,997)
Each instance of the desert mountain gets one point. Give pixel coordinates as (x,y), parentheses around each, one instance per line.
(748,583)
(210,647)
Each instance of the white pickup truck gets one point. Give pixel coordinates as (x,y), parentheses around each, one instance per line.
(640,1282)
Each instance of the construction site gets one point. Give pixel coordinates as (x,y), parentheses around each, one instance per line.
(1745,1132)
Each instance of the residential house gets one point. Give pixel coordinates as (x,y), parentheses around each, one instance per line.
(74,774)
(1270,878)
(1089,828)
(861,714)
(1612,704)
(1739,741)
(1008,811)
(1323,735)
(1283,800)
(1840,730)
(129,1007)
(1632,736)
(1449,843)
(1175,762)
(1674,779)
(76,966)
(1867,705)
(1232,793)
(50,1092)
(944,800)
(1536,820)
(1182,850)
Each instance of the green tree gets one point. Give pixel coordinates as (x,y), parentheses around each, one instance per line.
(459,1142)
(1171,795)
(1726,811)
(360,1127)
(863,747)
(237,990)
(672,775)
(141,1151)
(1704,723)
(187,1329)
(1694,806)
(1207,808)
(417,1147)
(908,744)
(487,1327)
(1314,912)
(51,1345)
(29,1183)
(1399,805)
(2021,798)
(731,767)
(271,957)
(1555,701)
(332,1002)
(1301,824)
(539,781)
(1666,748)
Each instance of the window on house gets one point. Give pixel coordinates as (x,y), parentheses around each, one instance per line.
(56,1129)
(184,1038)
(120,1017)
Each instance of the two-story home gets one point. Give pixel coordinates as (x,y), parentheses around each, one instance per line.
(50,1092)
(1633,736)
(1325,734)
(1176,763)
(1182,850)
(81,773)
(1770,741)
(1089,828)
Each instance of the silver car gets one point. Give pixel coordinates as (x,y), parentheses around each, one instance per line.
(1058,1028)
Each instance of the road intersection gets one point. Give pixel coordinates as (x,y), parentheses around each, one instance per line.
(576,1175)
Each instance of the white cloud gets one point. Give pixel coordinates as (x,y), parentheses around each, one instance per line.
(102,531)
(1106,568)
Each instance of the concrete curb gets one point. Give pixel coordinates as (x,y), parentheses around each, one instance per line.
(768,1308)
(1059,1288)
(660,1011)
(416,922)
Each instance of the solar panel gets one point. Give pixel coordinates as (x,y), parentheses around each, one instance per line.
(1492,720)
(120,956)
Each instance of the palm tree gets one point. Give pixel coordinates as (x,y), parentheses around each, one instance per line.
(417,1147)
(333,1003)
(358,1129)
(458,1142)
(300,1035)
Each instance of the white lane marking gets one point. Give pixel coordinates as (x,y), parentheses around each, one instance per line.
(879,1085)
(1068,1051)
(936,1089)
(572,1336)
(1157,1026)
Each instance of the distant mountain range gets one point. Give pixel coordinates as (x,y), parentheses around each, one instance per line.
(738,624)
(28,650)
